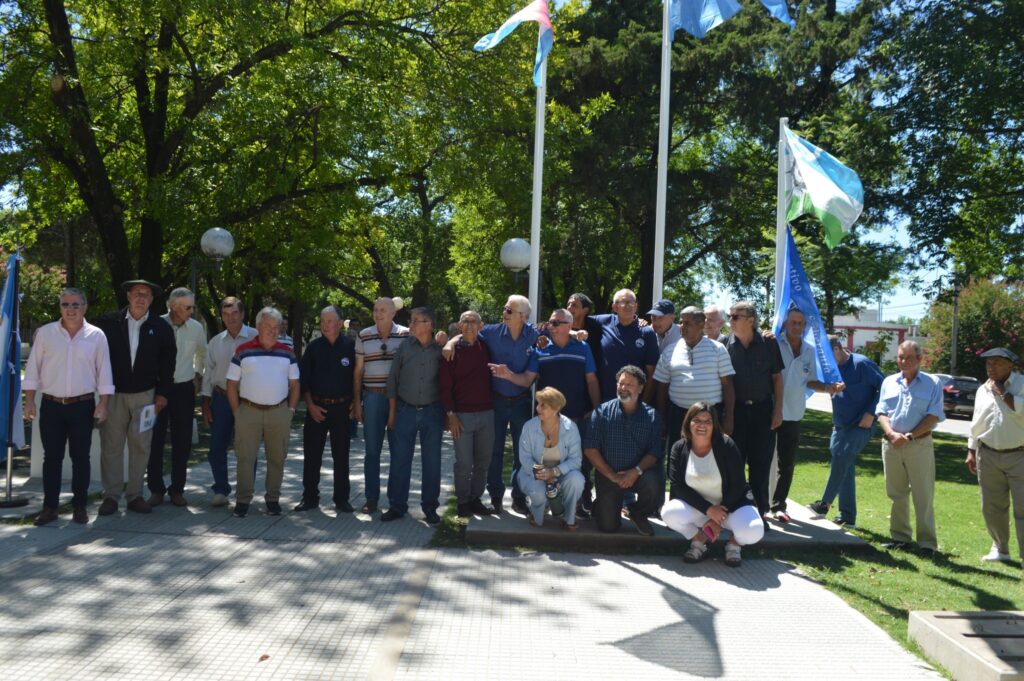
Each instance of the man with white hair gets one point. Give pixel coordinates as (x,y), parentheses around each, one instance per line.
(263,390)
(714,320)
(623,343)
(190,341)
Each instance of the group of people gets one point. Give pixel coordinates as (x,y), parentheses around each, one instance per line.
(624,403)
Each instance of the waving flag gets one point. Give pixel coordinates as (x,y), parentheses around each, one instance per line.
(535,11)
(697,17)
(823,187)
(11,424)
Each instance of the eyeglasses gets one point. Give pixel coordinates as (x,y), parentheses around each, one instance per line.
(73,306)
(557,322)
(702,422)
(734,317)
(509,310)
(626,303)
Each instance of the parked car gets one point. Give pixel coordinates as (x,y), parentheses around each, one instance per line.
(958,394)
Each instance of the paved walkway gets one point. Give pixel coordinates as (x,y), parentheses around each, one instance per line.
(196,594)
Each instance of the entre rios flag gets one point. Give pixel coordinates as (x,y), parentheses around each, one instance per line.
(823,187)
(697,17)
(535,11)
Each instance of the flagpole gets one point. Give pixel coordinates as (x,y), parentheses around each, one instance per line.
(780,217)
(538,187)
(663,128)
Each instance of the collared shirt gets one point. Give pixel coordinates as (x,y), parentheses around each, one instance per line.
(565,369)
(377,353)
(755,365)
(63,365)
(465,381)
(133,332)
(799,370)
(994,423)
(694,374)
(863,379)
(219,352)
(623,439)
(670,338)
(622,345)
(190,339)
(515,352)
(326,368)
(415,372)
(906,404)
(263,374)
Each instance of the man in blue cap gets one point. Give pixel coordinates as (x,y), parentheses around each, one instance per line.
(995,450)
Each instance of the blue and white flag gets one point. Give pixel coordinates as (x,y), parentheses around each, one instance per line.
(697,17)
(796,293)
(11,421)
(535,11)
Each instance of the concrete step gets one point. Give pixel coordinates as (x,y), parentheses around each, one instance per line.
(973,646)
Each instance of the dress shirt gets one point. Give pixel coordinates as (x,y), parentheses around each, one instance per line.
(68,366)
(694,374)
(799,370)
(994,423)
(906,405)
(623,439)
(262,374)
(133,332)
(622,345)
(219,352)
(415,373)
(190,339)
(154,350)
(755,364)
(863,378)
(465,381)
(377,353)
(326,368)
(506,350)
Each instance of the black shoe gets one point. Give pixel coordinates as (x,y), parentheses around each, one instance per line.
(306,506)
(241,510)
(273,508)
(582,513)
(895,546)
(819,508)
(928,553)
(390,514)
(463,511)
(588,504)
(476,507)
(643,525)
(519,506)
(497,506)
(344,507)
(431,517)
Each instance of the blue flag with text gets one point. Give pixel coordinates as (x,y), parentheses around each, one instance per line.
(11,425)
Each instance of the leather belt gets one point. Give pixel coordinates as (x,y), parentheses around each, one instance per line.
(328,401)
(262,407)
(379,391)
(68,400)
(993,449)
(418,406)
(751,403)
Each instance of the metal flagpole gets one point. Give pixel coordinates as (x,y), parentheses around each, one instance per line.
(663,129)
(780,216)
(538,187)
(10,501)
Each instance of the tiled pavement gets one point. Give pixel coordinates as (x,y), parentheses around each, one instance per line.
(196,594)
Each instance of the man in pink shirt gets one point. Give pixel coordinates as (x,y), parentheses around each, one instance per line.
(69,363)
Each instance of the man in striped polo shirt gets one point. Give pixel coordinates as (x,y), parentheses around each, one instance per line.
(263,390)
(697,369)
(375,348)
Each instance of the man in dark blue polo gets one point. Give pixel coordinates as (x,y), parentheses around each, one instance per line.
(624,342)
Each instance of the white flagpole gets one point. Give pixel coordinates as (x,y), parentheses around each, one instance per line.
(538,187)
(663,129)
(780,216)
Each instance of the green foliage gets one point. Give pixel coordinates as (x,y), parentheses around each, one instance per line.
(991,314)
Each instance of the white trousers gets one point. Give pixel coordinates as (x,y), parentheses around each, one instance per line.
(745,522)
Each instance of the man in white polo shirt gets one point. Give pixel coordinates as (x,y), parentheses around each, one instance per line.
(697,369)
(263,389)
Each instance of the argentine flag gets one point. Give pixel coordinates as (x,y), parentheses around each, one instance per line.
(697,17)
(821,186)
(535,11)
(12,426)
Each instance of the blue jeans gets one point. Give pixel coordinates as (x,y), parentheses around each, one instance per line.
(428,422)
(514,413)
(845,445)
(375,421)
(222,434)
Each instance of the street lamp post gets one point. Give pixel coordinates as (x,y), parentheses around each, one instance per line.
(515,256)
(216,244)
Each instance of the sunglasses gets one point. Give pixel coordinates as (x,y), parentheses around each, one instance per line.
(557,322)
(509,310)
(734,317)
(384,349)
(73,306)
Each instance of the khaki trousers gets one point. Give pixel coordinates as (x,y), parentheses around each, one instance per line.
(910,473)
(1000,479)
(273,427)
(122,425)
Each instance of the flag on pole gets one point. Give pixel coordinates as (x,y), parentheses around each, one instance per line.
(535,11)
(796,293)
(697,17)
(823,187)
(11,422)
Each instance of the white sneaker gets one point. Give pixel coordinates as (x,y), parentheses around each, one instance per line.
(994,555)
(219,500)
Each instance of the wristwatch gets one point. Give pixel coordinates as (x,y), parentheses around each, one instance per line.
(910,436)
(639,471)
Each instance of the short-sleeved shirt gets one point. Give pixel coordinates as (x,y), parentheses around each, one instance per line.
(415,373)
(326,368)
(623,439)
(906,405)
(799,370)
(565,369)
(694,374)
(514,352)
(377,353)
(263,374)
(755,365)
(863,378)
(621,346)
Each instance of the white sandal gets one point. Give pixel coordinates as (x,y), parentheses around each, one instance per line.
(696,552)
(732,555)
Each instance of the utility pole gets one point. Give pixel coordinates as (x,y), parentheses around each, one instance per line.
(956,328)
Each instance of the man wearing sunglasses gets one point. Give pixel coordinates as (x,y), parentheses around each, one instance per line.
(69,363)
